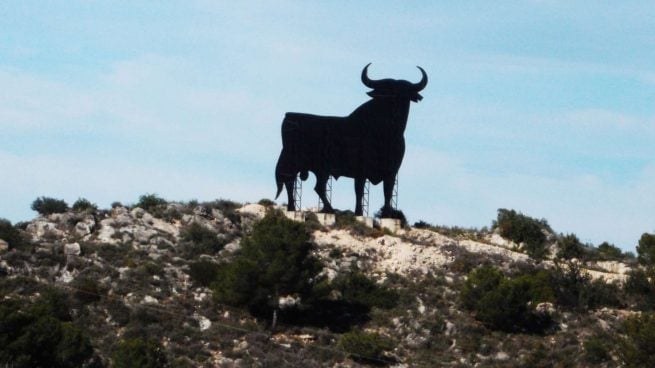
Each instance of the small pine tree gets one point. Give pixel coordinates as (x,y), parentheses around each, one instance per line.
(274,260)
(84,205)
(139,353)
(646,249)
(46,206)
(570,247)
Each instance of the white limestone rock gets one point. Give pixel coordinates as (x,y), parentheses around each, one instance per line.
(106,233)
(72,249)
(4,246)
(254,209)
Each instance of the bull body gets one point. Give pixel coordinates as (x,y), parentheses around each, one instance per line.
(367,144)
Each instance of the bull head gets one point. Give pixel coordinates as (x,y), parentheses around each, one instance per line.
(394,88)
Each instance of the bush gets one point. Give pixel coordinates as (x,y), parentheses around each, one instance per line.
(479,282)
(640,288)
(610,252)
(507,304)
(274,260)
(10,234)
(570,247)
(84,205)
(364,346)
(266,202)
(202,240)
(523,229)
(228,208)
(597,349)
(637,348)
(151,202)
(392,213)
(646,249)
(203,272)
(46,206)
(575,289)
(36,336)
(422,225)
(357,288)
(86,290)
(139,353)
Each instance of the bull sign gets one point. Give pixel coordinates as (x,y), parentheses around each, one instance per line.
(367,144)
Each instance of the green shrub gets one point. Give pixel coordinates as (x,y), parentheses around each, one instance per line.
(597,349)
(266,202)
(420,224)
(151,202)
(274,260)
(507,304)
(392,213)
(203,272)
(523,229)
(479,282)
(201,240)
(640,288)
(357,288)
(637,348)
(36,336)
(139,353)
(46,206)
(84,205)
(11,235)
(646,249)
(365,346)
(228,209)
(86,290)
(575,289)
(610,252)
(570,247)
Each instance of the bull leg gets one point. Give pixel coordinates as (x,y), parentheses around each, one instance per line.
(388,184)
(291,205)
(321,183)
(359,194)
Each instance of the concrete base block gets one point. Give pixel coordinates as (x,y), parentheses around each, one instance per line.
(368,221)
(391,224)
(326,219)
(295,215)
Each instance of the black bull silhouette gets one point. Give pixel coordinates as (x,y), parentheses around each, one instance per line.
(367,144)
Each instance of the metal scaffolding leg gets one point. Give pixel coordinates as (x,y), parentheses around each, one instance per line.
(297,193)
(394,196)
(328,193)
(367,190)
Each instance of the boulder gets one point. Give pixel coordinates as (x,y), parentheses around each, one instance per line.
(85,226)
(4,246)
(72,249)
(254,209)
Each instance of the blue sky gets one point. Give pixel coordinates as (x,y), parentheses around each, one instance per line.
(545,107)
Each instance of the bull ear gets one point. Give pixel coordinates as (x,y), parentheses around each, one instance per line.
(416,97)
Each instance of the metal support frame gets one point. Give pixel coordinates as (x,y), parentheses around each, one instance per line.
(367,190)
(328,193)
(297,193)
(394,196)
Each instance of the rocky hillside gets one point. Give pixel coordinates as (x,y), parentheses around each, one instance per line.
(149,284)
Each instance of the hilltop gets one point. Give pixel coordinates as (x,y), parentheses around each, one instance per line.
(169,284)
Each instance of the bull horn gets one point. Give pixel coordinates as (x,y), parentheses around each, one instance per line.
(366,80)
(424,80)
